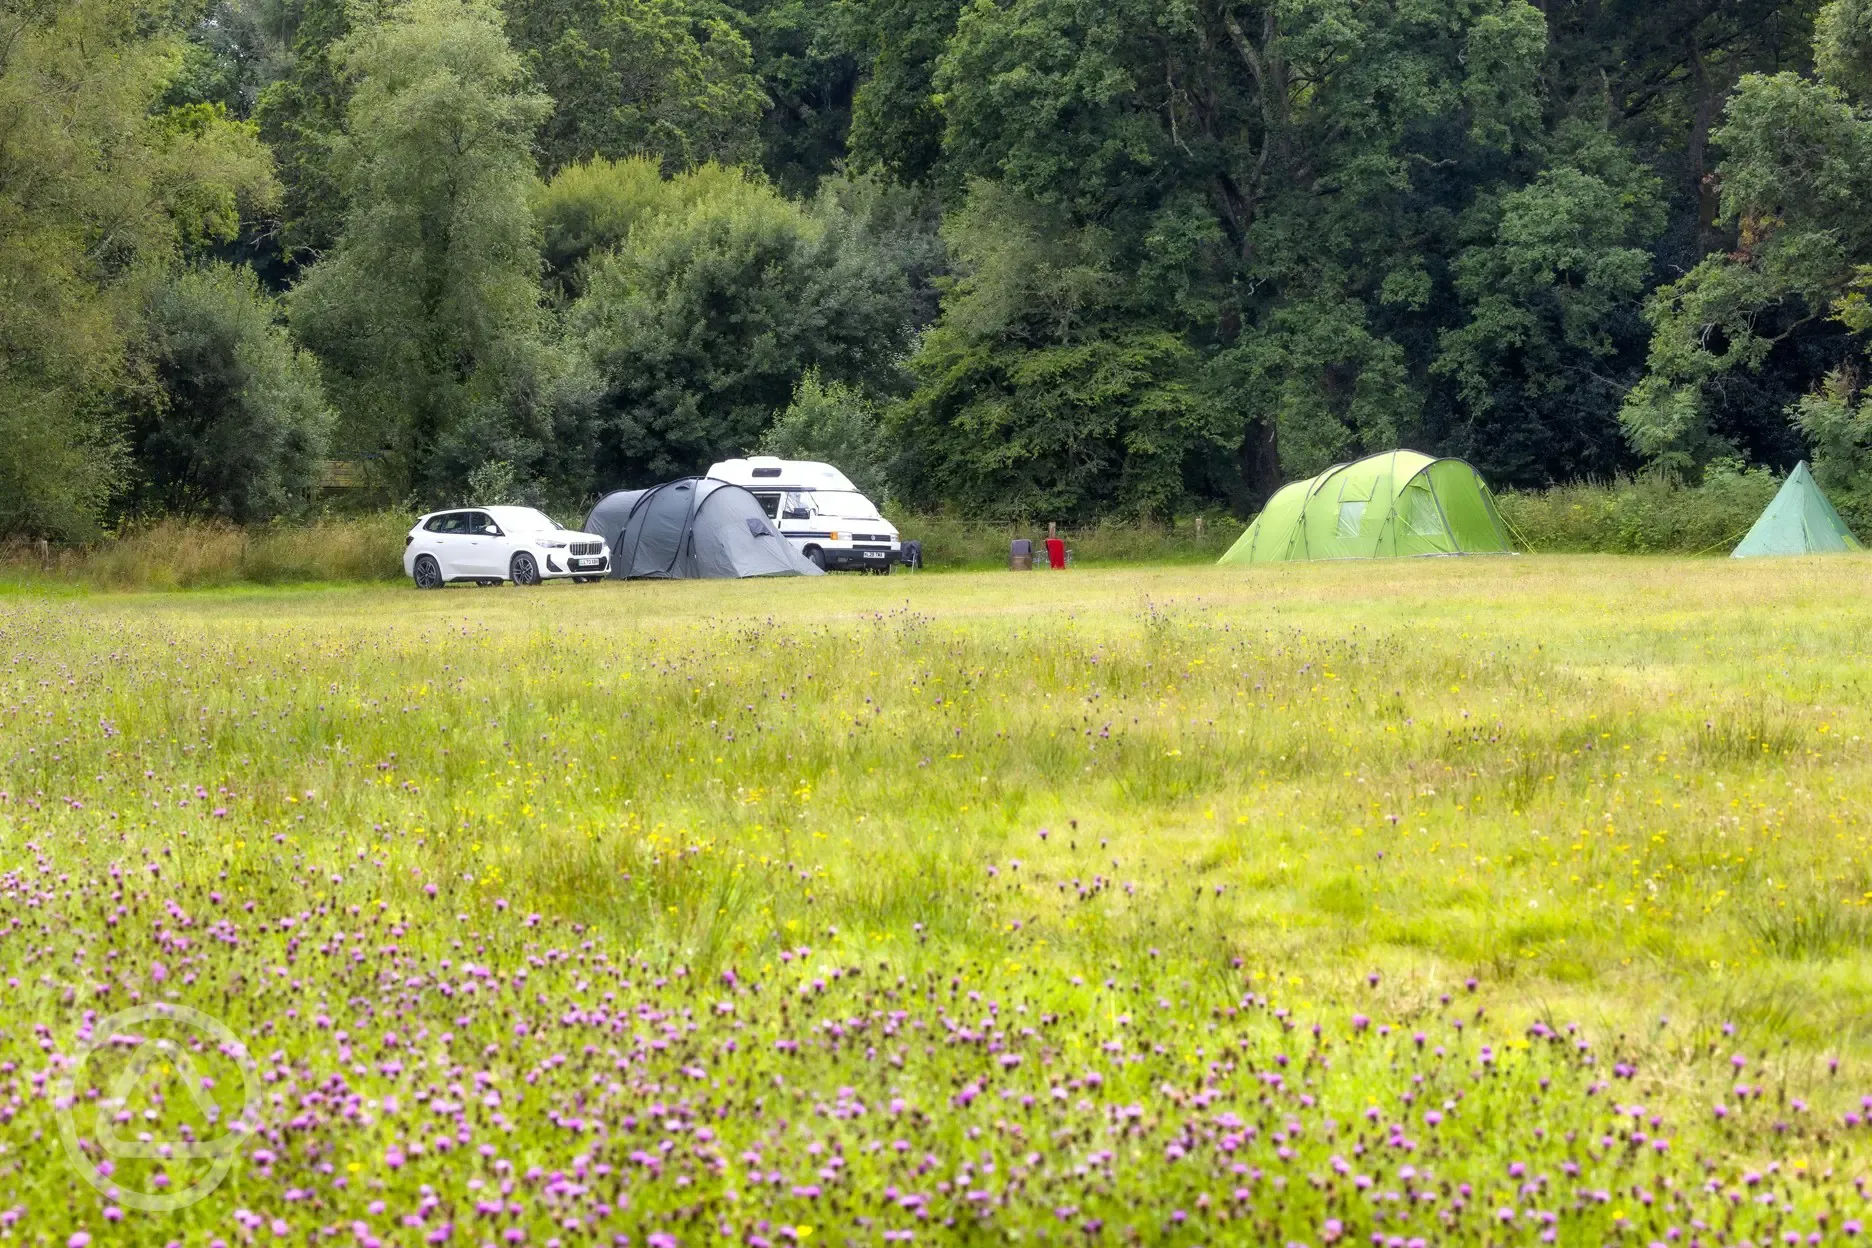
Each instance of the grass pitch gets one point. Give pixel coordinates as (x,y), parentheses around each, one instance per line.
(1449,900)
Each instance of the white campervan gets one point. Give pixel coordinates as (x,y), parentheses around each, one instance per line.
(819,510)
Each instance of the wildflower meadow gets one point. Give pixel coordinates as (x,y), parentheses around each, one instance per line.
(1494,901)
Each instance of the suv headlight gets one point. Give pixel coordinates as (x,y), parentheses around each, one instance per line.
(552,542)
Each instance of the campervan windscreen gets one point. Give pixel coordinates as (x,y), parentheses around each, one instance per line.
(845,504)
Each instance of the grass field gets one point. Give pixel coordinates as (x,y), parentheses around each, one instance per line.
(1468,901)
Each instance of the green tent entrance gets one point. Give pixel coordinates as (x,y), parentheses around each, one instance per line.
(1398,503)
(1799,521)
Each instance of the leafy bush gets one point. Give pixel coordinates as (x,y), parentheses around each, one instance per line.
(588,209)
(101,189)
(1641,515)
(1837,422)
(237,420)
(665,77)
(698,326)
(1041,391)
(835,424)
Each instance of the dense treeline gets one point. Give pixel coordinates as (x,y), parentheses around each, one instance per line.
(1015,256)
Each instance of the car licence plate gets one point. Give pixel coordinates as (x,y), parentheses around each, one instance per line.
(587,563)
(874,554)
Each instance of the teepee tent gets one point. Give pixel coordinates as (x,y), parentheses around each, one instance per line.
(1397,503)
(1799,521)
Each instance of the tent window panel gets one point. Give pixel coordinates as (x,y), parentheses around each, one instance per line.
(1421,515)
(1351,515)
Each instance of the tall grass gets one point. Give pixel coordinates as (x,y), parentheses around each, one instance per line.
(952,543)
(1644,515)
(1640,515)
(1561,743)
(197,554)
(192,554)
(1038,869)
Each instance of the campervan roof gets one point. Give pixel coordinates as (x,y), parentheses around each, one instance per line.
(785,474)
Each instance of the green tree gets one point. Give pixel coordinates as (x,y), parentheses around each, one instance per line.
(804,61)
(1330,387)
(668,79)
(427,315)
(1047,389)
(897,118)
(1836,420)
(100,188)
(1796,174)
(1657,73)
(589,208)
(1281,188)
(903,221)
(1843,47)
(301,115)
(835,424)
(233,50)
(235,420)
(1551,287)
(699,324)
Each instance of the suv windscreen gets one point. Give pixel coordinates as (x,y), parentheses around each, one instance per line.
(530,520)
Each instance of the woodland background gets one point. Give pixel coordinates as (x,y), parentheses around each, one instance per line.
(1122,260)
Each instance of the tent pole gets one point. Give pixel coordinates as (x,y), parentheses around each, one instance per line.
(688,528)
(637,542)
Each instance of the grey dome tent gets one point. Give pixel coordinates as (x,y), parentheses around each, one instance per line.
(695,527)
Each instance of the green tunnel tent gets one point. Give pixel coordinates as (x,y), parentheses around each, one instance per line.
(1397,503)
(1800,520)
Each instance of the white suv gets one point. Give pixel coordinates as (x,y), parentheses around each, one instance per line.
(488,545)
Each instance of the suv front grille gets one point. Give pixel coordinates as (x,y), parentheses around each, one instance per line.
(586,548)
